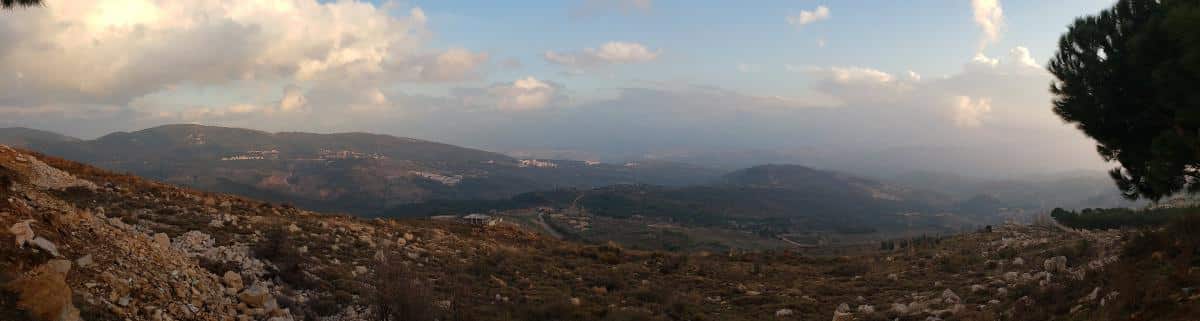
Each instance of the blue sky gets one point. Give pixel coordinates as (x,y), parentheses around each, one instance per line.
(815,82)
(704,41)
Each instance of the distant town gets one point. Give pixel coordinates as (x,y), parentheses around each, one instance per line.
(323,154)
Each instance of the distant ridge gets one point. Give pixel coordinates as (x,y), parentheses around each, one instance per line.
(353,172)
(27,137)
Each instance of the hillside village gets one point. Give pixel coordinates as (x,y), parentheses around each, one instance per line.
(86,244)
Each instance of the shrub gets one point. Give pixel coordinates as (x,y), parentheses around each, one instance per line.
(398,295)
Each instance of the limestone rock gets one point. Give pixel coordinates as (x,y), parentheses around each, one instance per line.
(950,297)
(84,261)
(232,280)
(22,232)
(45,245)
(162,240)
(193,242)
(1056,264)
(842,316)
(47,177)
(255,296)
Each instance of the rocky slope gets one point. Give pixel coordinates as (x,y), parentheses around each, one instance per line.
(87,244)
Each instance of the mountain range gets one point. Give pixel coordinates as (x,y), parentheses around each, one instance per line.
(349,172)
(370,174)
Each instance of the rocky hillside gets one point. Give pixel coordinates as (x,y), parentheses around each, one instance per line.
(87,244)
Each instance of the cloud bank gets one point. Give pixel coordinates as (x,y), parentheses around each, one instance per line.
(133,53)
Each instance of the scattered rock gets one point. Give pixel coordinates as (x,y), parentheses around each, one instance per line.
(45,245)
(232,280)
(255,296)
(1056,264)
(1012,277)
(162,240)
(950,297)
(84,261)
(866,308)
(49,178)
(22,232)
(193,242)
(783,313)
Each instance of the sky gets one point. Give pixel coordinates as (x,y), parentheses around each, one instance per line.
(875,86)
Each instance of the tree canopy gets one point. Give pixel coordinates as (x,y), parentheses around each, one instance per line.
(9,4)
(1129,77)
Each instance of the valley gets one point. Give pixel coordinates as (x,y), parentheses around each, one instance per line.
(642,204)
(209,256)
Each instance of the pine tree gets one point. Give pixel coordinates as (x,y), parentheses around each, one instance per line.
(1129,77)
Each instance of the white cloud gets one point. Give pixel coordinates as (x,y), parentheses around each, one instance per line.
(990,18)
(523,94)
(293,100)
(613,52)
(454,64)
(806,16)
(1021,57)
(986,91)
(969,112)
(114,51)
(858,85)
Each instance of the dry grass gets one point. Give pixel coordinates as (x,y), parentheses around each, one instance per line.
(44,294)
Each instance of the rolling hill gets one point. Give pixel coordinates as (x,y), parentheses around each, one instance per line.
(766,200)
(351,172)
(26,137)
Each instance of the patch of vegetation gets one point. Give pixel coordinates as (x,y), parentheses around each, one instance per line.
(1115,218)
